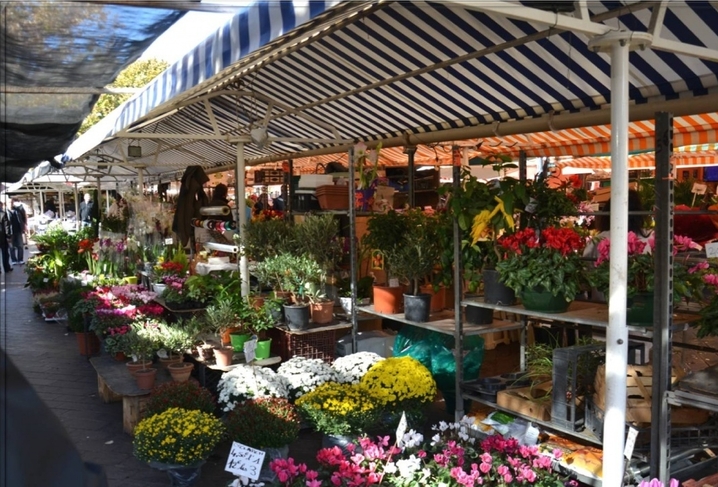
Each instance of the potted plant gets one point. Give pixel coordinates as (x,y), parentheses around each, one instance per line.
(384,231)
(267,423)
(303,375)
(177,338)
(364,293)
(185,395)
(413,259)
(72,298)
(177,441)
(340,412)
(300,274)
(261,239)
(545,268)
(271,271)
(246,382)
(258,321)
(143,340)
(687,280)
(400,384)
(224,318)
(318,237)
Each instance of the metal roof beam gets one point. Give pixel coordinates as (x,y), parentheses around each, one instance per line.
(69,90)
(685,49)
(529,14)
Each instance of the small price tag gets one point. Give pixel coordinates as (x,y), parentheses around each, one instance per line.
(401,429)
(709,452)
(162,353)
(699,188)
(630,442)
(712,250)
(244,461)
(394,282)
(249,347)
(169,241)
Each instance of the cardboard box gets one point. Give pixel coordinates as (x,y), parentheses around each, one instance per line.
(533,402)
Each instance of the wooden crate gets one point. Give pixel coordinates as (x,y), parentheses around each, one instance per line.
(639,395)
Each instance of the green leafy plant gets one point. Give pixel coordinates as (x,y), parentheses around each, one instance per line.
(551,259)
(384,230)
(261,239)
(317,237)
(178,337)
(267,422)
(185,395)
(177,436)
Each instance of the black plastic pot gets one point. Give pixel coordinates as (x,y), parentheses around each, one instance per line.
(297,316)
(496,292)
(417,307)
(475,315)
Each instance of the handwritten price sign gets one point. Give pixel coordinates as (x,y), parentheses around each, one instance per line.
(244,461)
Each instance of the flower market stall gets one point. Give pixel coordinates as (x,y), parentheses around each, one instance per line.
(276,99)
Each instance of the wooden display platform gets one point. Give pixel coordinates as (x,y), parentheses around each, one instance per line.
(114,382)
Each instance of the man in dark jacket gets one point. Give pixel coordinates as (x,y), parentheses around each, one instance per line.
(18,222)
(86,210)
(5,236)
(191,198)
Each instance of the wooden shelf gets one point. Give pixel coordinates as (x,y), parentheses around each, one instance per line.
(444,322)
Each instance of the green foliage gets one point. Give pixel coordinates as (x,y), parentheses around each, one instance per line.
(228,310)
(178,337)
(317,237)
(186,395)
(136,75)
(267,422)
(266,238)
(203,288)
(414,256)
(72,299)
(383,231)
(289,273)
(547,205)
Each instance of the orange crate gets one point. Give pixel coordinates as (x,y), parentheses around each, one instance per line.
(333,197)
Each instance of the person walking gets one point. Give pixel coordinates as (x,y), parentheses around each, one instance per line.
(5,236)
(18,223)
(86,210)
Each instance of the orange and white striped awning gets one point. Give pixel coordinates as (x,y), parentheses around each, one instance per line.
(645,161)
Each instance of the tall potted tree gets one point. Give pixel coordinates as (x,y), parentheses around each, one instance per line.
(384,231)
(413,259)
(301,273)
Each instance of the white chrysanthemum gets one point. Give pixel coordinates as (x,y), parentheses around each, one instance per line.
(408,466)
(351,368)
(303,375)
(245,382)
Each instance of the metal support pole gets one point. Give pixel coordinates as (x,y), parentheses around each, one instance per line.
(287,189)
(140,179)
(618,44)
(458,294)
(663,301)
(353,249)
(42,202)
(107,201)
(77,208)
(241,217)
(411,151)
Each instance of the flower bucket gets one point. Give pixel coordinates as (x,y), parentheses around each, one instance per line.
(266,474)
(238,340)
(417,307)
(640,309)
(88,343)
(263,349)
(180,475)
(538,299)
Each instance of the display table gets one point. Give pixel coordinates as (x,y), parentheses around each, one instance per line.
(115,383)
(317,341)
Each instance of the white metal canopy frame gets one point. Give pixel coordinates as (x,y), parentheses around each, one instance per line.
(423,72)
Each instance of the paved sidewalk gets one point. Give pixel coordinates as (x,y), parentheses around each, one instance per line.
(48,357)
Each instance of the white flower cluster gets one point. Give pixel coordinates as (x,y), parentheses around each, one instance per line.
(459,429)
(351,368)
(245,382)
(305,374)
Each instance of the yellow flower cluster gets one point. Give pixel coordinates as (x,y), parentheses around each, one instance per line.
(339,399)
(481,228)
(399,379)
(177,436)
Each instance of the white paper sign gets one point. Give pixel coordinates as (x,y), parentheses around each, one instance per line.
(712,250)
(169,241)
(249,347)
(630,442)
(699,188)
(393,282)
(401,429)
(244,461)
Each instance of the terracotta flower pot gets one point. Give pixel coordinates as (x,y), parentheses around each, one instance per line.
(389,300)
(223,356)
(181,371)
(88,343)
(145,378)
(133,367)
(322,312)
(437,298)
(173,359)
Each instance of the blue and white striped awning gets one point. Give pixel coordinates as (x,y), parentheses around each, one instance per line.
(398,71)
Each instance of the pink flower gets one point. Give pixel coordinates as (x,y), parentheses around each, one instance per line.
(508,478)
(485,467)
(700,266)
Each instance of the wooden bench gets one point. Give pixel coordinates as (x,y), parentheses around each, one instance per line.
(114,383)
